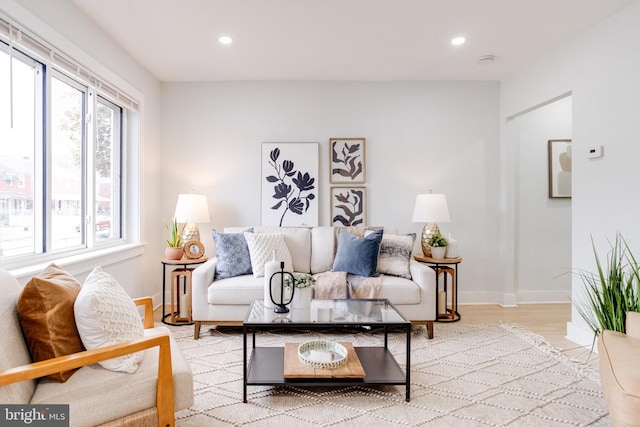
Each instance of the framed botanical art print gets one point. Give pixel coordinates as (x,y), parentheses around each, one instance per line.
(289,183)
(559,168)
(348,206)
(347,160)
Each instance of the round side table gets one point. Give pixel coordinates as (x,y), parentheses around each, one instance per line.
(183,265)
(448,266)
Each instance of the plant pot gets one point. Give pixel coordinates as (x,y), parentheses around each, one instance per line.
(438,252)
(173,253)
(301,298)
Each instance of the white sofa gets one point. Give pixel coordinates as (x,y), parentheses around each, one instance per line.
(162,384)
(225,302)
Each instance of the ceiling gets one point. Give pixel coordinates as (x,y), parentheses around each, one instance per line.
(176,40)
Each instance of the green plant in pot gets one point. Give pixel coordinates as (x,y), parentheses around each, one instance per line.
(612,291)
(174,248)
(438,244)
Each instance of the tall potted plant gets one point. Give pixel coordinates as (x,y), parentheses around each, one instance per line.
(174,249)
(612,291)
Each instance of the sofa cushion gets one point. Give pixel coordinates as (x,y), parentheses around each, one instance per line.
(45,310)
(91,386)
(395,254)
(263,247)
(399,290)
(323,249)
(240,290)
(232,253)
(106,315)
(298,240)
(358,255)
(13,339)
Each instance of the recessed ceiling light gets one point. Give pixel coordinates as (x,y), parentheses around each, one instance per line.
(225,40)
(458,41)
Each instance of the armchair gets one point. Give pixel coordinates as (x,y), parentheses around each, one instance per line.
(620,372)
(161,385)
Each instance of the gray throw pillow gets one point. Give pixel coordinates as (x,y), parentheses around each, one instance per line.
(232,252)
(358,255)
(395,255)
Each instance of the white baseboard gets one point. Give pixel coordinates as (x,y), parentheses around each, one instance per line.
(581,336)
(513,299)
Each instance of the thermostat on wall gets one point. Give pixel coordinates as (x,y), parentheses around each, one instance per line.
(595,152)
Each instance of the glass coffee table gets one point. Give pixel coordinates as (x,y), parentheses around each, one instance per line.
(266,364)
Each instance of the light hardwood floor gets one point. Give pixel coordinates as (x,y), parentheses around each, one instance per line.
(548,320)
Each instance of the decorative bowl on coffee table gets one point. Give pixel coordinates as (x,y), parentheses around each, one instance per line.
(322,354)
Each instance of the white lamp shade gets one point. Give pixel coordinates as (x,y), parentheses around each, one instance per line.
(192,208)
(431,208)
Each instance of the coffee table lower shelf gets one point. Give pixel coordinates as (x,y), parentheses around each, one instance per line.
(266,367)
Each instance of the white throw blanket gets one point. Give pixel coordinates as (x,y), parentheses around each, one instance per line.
(340,285)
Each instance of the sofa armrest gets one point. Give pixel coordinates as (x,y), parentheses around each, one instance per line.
(164,391)
(425,277)
(202,277)
(147,303)
(633,324)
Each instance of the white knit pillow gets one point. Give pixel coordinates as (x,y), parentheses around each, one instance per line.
(106,315)
(261,247)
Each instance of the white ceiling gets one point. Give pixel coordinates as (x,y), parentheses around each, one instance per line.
(176,40)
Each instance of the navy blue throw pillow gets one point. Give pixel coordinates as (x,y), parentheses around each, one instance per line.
(358,255)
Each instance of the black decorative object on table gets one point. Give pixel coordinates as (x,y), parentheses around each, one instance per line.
(281,306)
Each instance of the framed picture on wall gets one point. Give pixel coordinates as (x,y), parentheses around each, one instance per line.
(348,206)
(289,180)
(347,160)
(559,168)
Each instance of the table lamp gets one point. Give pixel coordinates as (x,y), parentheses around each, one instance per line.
(430,208)
(192,209)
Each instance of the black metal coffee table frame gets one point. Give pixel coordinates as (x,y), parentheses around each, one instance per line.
(266,364)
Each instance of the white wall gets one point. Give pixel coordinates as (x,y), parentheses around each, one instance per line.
(62,24)
(543,225)
(419,136)
(600,68)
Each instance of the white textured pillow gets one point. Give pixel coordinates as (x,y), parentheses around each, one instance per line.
(261,247)
(106,315)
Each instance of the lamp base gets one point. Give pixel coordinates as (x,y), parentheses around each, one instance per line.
(429,229)
(190,232)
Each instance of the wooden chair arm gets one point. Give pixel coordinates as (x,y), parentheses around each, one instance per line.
(164,391)
(147,302)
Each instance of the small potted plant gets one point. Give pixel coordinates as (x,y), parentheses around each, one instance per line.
(438,244)
(174,248)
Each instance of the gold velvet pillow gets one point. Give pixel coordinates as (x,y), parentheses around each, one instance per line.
(45,311)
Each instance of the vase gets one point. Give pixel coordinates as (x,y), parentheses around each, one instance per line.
(438,252)
(173,253)
(302,298)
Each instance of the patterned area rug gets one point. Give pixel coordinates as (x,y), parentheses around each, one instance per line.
(468,375)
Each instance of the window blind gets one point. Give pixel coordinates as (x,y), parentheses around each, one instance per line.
(22,39)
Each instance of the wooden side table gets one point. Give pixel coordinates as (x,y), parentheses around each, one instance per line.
(180,276)
(448,266)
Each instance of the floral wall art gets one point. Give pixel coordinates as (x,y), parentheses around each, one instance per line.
(289,184)
(347,160)
(348,206)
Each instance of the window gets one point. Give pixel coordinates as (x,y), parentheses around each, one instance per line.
(61,145)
